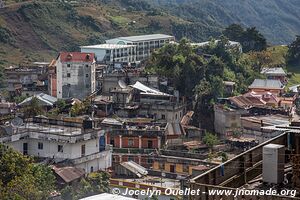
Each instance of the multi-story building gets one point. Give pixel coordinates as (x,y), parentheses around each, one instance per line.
(26,80)
(276,73)
(111,53)
(79,143)
(275,87)
(72,74)
(145,44)
(122,134)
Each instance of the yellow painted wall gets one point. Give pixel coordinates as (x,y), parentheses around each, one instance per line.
(167,167)
(179,168)
(155,165)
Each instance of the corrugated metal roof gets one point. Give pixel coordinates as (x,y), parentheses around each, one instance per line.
(273,71)
(266,83)
(135,168)
(69,174)
(45,100)
(147,90)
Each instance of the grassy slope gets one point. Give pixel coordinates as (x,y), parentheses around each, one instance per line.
(38,31)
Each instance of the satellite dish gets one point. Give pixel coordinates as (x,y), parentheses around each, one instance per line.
(122,84)
(17,121)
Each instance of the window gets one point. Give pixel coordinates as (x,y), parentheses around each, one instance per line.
(176,116)
(163,116)
(68,75)
(130,142)
(40,145)
(92,168)
(60,148)
(149,161)
(86,66)
(68,65)
(83,150)
(86,75)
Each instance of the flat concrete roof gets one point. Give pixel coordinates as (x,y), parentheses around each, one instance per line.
(107,46)
(145,37)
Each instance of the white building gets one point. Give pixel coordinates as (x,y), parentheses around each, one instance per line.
(73,76)
(231,44)
(58,141)
(145,44)
(110,53)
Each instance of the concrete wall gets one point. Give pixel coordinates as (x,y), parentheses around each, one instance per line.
(243,167)
(225,120)
(50,148)
(81,82)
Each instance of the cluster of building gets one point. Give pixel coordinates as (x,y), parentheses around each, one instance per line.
(134,126)
(138,128)
(267,102)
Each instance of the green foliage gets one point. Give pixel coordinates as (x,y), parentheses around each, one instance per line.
(5,36)
(293,55)
(67,193)
(210,140)
(19,99)
(250,39)
(21,178)
(61,104)
(194,76)
(34,108)
(224,156)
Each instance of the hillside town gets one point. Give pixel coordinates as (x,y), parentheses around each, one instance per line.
(102,110)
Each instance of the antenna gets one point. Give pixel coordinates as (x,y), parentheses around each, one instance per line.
(122,84)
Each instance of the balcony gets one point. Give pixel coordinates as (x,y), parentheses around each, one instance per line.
(103,154)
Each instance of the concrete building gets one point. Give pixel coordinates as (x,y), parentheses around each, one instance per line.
(275,73)
(111,53)
(245,171)
(56,141)
(267,85)
(226,120)
(145,44)
(110,81)
(126,134)
(72,74)
(26,80)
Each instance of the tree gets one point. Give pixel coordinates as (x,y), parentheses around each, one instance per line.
(76,109)
(67,193)
(210,140)
(250,39)
(293,56)
(61,104)
(234,31)
(34,108)
(21,178)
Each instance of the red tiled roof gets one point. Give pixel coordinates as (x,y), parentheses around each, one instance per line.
(76,57)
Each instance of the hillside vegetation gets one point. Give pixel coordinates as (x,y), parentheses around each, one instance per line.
(278,20)
(35,31)
(38,30)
